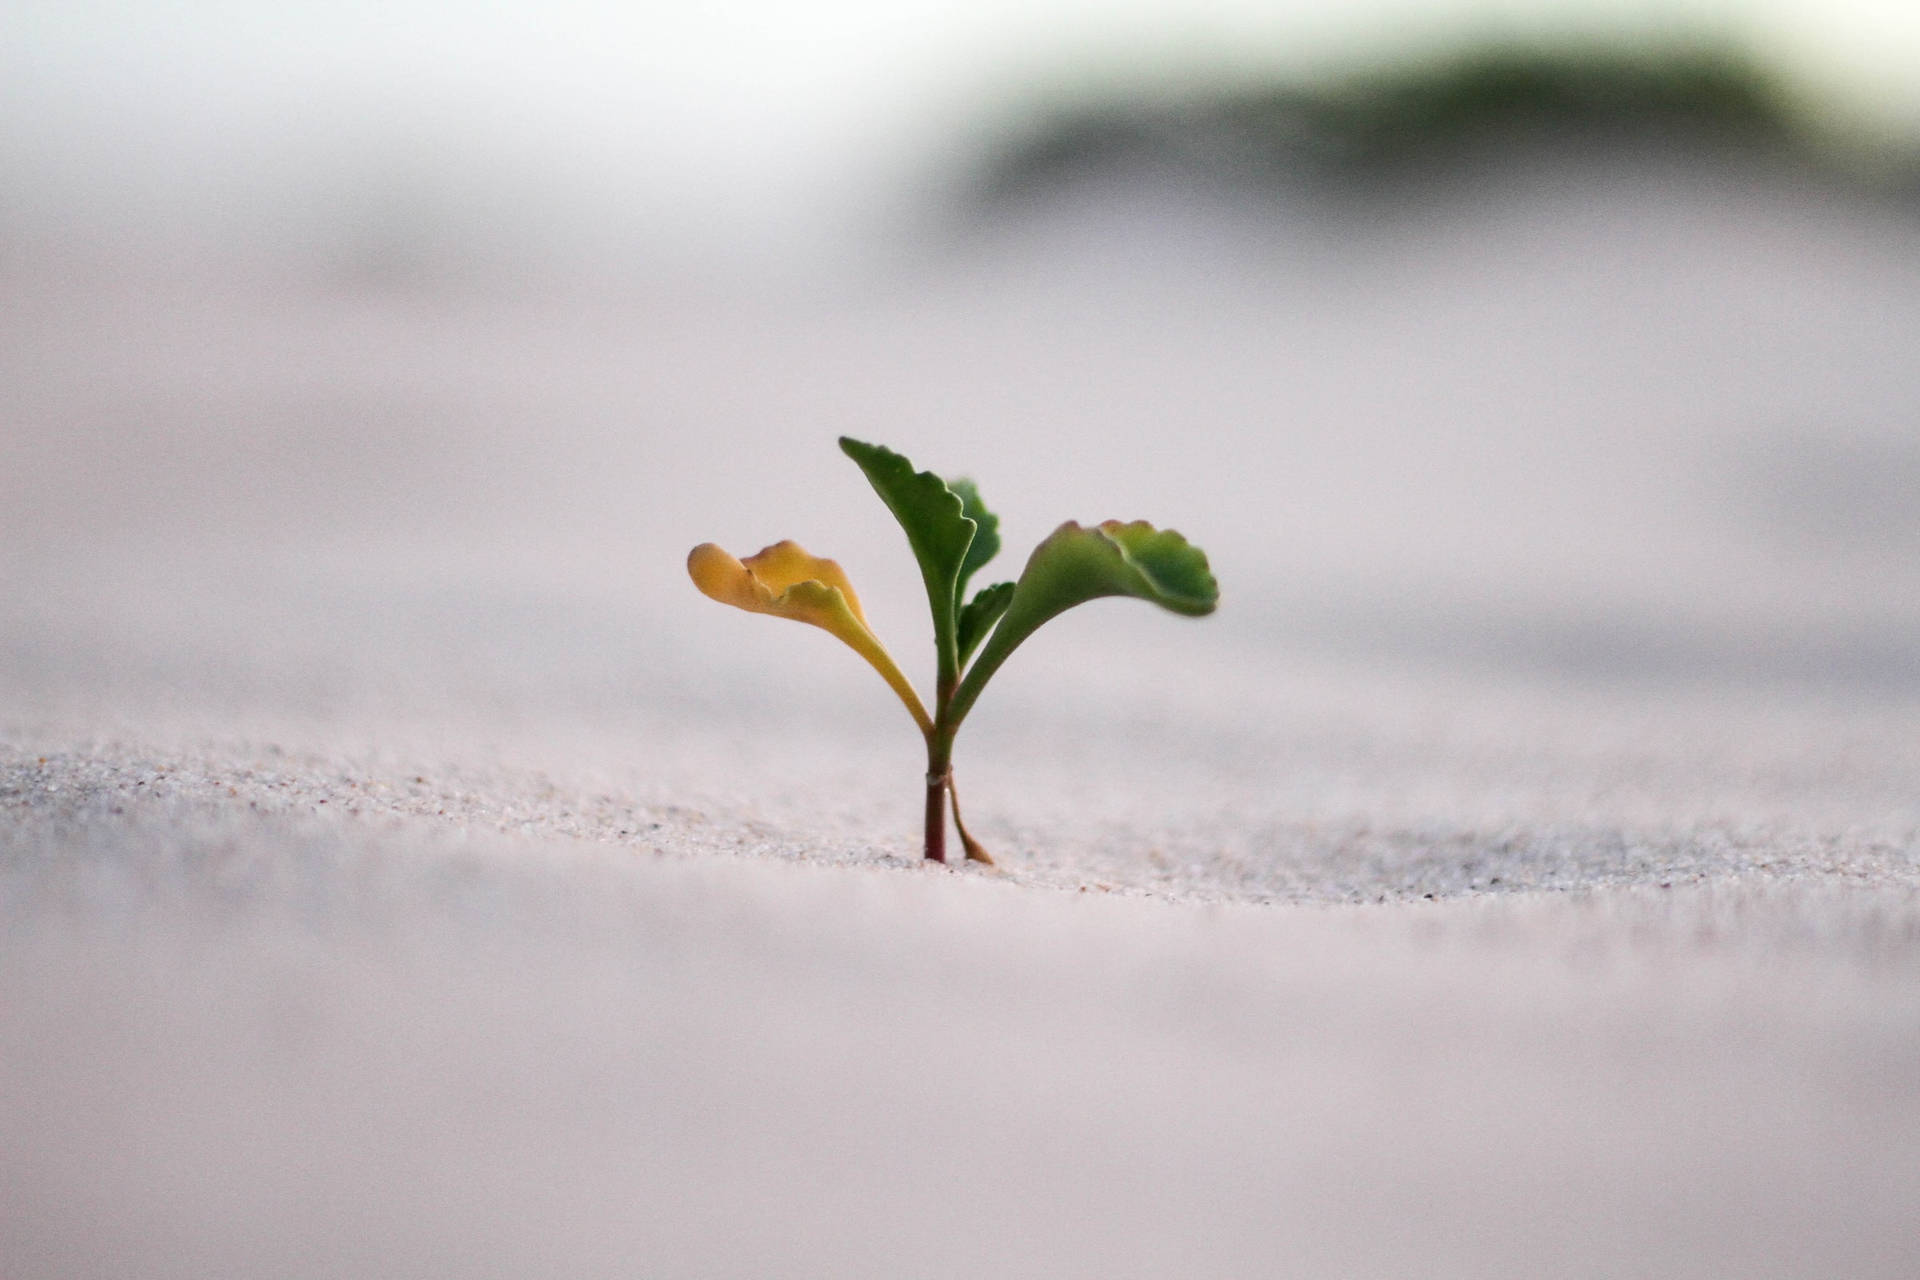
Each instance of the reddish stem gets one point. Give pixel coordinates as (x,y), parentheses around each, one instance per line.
(937,816)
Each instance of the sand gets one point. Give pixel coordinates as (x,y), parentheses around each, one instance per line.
(403,872)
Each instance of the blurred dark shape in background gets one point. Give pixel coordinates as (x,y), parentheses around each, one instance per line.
(522,187)
(1430,130)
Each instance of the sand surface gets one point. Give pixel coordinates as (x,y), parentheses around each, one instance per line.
(403,872)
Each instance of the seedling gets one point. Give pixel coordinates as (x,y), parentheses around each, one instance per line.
(953,535)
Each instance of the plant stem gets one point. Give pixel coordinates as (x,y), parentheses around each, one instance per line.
(936,815)
(976,852)
(939,768)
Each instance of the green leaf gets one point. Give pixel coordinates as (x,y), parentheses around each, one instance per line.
(937,528)
(979,615)
(986,541)
(1077,564)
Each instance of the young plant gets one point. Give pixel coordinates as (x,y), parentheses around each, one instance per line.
(953,535)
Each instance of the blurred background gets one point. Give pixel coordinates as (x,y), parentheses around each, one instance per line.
(406,347)
(616,145)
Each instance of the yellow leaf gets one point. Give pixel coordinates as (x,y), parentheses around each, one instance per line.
(786,581)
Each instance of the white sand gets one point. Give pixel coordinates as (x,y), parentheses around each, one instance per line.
(403,872)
